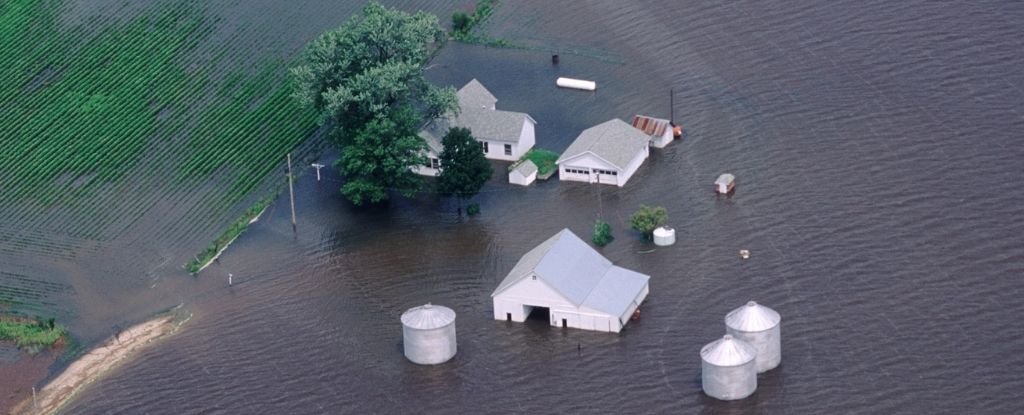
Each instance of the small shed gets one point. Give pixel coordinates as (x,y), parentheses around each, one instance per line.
(573,283)
(523,173)
(725,183)
(659,129)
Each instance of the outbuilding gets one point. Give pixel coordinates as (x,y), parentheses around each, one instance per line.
(607,153)
(573,283)
(659,130)
(523,173)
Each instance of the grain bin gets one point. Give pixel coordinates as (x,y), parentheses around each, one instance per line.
(760,326)
(664,236)
(728,368)
(428,334)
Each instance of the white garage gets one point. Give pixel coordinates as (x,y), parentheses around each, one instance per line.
(576,285)
(607,153)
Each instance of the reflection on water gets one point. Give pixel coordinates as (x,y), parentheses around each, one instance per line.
(874,146)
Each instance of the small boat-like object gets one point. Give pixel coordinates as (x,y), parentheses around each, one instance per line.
(725,183)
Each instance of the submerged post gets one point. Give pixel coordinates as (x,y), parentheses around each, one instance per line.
(291,191)
(672,106)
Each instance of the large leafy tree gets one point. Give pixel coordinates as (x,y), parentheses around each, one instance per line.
(379,155)
(464,169)
(370,70)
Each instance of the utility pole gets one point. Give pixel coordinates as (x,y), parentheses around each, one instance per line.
(35,405)
(291,191)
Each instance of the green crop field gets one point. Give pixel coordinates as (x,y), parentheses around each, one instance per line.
(111,120)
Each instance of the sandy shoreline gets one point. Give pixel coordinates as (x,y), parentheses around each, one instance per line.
(97,362)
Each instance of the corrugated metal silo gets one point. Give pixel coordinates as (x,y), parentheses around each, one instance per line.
(760,326)
(728,368)
(428,333)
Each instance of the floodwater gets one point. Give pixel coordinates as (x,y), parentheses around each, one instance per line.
(876,146)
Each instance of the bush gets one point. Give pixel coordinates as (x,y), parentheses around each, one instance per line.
(30,334)
(473,209)
(461,23)
(647,219)
(602,233)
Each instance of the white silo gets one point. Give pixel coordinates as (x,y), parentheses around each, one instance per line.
(428,334)
(728,368)
(760,326)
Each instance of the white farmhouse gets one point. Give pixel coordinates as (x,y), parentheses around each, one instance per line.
(659,129)
(607,153)
(579,287)
(503,135)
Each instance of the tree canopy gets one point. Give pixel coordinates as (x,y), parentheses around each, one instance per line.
(464,169)
(370,71)
(647,219)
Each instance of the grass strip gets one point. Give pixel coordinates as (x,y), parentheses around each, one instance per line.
(237,228)
(29,333)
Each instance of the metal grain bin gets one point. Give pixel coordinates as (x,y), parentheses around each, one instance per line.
(760,326)
(428,334)
(728,368)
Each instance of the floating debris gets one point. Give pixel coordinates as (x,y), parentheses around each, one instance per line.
(744,253)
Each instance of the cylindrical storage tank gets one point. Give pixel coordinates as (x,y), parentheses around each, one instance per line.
(428,333)
(576,84)
(760,326)
(664,236)
(728,369)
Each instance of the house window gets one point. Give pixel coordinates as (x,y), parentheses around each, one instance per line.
(435,163)
(576,171)
(508,149)
(483,144)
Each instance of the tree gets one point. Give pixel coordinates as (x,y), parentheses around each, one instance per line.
(370,70)
(464,169)
(602,233)
(647,219)
(379,156)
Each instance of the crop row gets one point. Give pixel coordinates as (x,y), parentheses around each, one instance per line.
(87,106)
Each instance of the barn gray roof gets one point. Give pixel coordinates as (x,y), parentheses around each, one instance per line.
(578,273)
(614,140)
(477,114)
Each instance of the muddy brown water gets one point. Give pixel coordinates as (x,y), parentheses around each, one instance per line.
(876,147)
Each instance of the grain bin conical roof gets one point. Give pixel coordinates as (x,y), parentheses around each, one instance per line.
(427,317)
(752,317)
(728,351)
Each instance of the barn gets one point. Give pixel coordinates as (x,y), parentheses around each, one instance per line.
(573,283)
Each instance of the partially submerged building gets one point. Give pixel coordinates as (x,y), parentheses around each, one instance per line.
(503,135)
(659,130)
(576,285)
(607,153)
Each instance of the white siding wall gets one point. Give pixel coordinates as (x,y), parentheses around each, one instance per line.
(586,162)
(664,140)
(428,171)
(496,150)
(515,177)
(518,299)
(530,292)
(526,139)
